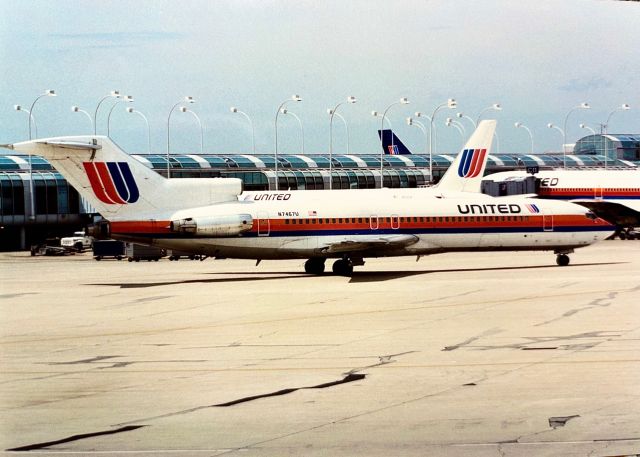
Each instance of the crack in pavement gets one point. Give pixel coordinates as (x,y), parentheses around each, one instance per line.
(492,331)
(82,436)
(351,377)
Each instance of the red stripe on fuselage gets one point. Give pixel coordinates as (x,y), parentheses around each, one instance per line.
(133,227)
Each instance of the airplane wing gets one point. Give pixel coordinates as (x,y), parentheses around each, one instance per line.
(613,212)
(382,242)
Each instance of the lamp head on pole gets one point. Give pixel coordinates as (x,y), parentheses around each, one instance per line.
(404,100)
(329,111)
(189,99)
(550,125)
(351,99)
(409,121)
(459,115)
(50,93)
(497,106)
(625,106)
(115,93)
(518,124)
(373,113)
(129,109)
(127,98)
(233,109)
(585,105)
(17,107)
(296,98)
(451,103)
(183,109)
(283,111)
(75,109)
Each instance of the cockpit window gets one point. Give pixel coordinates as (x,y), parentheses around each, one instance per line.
(590,215)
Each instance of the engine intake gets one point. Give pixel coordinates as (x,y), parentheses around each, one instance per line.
(219,226)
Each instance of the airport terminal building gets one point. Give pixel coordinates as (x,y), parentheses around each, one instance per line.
(36,202)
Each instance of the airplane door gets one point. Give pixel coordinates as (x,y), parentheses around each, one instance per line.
(597,193)
(395,222)
(373,222)
(264,226)
(547,222)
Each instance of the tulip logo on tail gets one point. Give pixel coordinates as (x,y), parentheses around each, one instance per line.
(112,182)
(471,163)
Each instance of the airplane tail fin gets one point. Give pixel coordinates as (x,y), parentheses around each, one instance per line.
(120,187)
(391,144)
(466,172)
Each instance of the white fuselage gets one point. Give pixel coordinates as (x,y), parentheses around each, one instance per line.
(377,222)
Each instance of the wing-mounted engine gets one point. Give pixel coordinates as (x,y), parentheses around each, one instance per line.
(216,226)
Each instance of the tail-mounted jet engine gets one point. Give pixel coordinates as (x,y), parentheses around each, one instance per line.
(216,226)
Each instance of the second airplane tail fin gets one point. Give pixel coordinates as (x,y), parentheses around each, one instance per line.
(466,172)
(391,144)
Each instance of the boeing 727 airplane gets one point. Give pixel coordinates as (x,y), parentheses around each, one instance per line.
(213,217)
(613,194)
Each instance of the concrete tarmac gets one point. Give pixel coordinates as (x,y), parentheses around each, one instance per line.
(486,354)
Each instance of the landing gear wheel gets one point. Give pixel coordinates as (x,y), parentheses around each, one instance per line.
(343,267)
(562,260)
(314,266)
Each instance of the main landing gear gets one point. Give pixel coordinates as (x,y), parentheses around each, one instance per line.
(342,267)
(314,265)
(562,259)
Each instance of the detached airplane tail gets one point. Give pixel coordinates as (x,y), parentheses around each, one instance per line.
(120,187)
(391,144)
(466,172)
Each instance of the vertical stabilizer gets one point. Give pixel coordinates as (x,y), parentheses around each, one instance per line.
(466,172)
(120,187)
(391,144)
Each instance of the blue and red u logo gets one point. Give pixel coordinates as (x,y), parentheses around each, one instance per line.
(112,182)
(471,163)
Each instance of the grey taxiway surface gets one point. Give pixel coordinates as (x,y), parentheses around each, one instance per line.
(484,354)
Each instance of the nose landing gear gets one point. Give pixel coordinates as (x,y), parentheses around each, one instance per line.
(562,259)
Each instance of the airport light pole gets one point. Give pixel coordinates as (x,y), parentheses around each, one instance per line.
(47,93)
(461,115)
(187,99)
(346,127)
(585,126)
(31,199)
(233,109)
(564,153)
(184,109)
(33,119)
(521,125)
(411,121)
(402,101)
(495,106)
(583,105)
(286,111)
(332,112)
(451,104)
(130,109)
(77,109)
(126,98)
(449,122)
(294,98)
(624,107)
(112,94)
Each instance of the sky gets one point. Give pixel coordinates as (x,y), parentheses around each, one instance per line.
(538,59)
